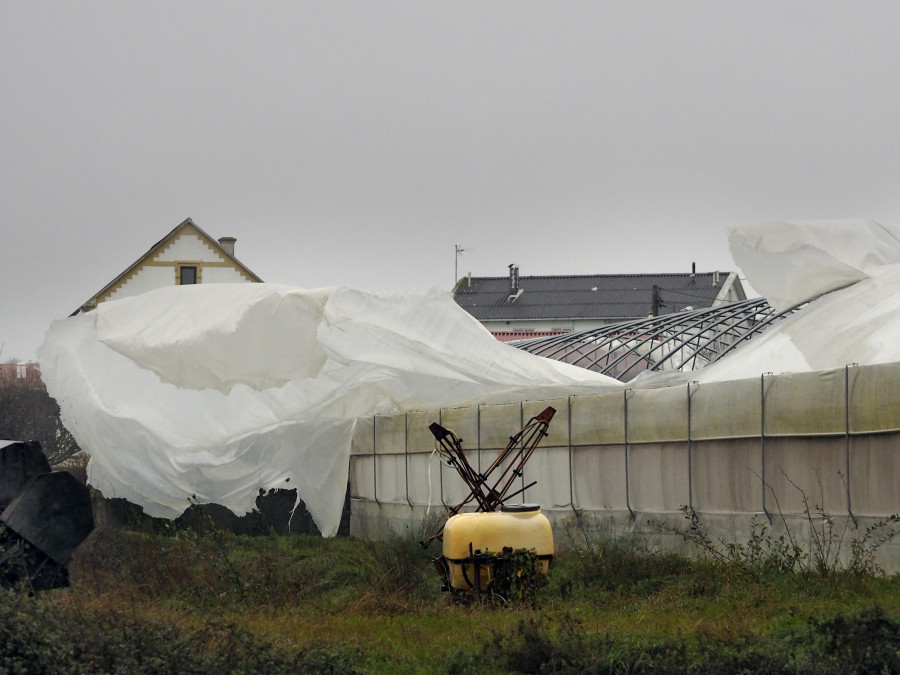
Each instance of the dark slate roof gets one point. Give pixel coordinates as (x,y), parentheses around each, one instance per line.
(595,296)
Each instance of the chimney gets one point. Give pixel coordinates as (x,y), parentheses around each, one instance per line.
(514,290)
(693,269)
(227,244)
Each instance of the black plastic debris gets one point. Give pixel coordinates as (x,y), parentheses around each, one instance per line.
(19,461)
(46,515)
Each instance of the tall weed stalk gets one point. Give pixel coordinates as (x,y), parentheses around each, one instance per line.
(829,550)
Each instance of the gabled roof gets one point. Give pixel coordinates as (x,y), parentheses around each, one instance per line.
(186,225)
(593,296)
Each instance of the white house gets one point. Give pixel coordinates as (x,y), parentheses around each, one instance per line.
(187,255)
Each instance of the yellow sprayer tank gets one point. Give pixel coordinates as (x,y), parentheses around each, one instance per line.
(470,539)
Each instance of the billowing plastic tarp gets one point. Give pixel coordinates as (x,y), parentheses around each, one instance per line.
(857,324)
(790,262)
(213,392)
(218,391)
(849,273)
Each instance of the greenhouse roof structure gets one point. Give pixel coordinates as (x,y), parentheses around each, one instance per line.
(681,341)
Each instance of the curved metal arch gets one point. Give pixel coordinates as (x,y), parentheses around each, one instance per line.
(662,330)
(732,328)
(683,340)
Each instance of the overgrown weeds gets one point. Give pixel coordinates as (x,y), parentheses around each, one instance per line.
(761,554)
(219,602)
(222,569)
(853,643)
(617,565)
(823,550)
(37,637)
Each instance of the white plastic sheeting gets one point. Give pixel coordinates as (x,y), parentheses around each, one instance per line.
(217,391)
(795,262)
(790,262)
(857,324)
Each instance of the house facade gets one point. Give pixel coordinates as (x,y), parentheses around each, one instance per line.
(23,374)
(518,307)
(186,255)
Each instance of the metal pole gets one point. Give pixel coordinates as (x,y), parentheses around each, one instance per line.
(690,450)
(459,250)
(627,495)
(571,479)
(762,441)
(522,424)
(406,454)
(375,461)
(440,461)
(847,436)
(478,422)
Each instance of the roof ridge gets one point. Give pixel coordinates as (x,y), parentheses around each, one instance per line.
(604,274)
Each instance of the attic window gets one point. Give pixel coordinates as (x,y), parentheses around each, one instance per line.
(187,274)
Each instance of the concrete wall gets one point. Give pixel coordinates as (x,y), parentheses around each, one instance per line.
(790,449)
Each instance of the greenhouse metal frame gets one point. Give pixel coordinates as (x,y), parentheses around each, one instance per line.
(679,341)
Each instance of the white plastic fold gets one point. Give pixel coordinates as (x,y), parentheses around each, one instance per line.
(790,262)
(216,391)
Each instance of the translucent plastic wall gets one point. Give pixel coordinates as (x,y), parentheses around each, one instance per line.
(789,448)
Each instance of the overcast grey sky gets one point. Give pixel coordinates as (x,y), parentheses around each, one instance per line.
(357,143)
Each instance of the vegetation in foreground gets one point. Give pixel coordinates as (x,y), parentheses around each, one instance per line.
(181,602)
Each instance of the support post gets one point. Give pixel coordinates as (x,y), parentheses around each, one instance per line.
(406,455)
(375,459)
(762,442)
(847,436)
(571,479)
(690,449)
(478,422)
(627,495)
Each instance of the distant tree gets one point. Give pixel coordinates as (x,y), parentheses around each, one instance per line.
(29,413)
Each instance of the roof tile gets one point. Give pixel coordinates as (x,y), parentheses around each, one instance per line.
(586,296)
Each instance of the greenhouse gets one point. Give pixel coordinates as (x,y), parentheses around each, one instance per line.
(796,390)
(686,340)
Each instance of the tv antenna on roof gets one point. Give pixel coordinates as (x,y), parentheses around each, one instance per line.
(459,251)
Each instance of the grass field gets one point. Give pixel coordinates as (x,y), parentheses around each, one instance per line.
(180,602)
